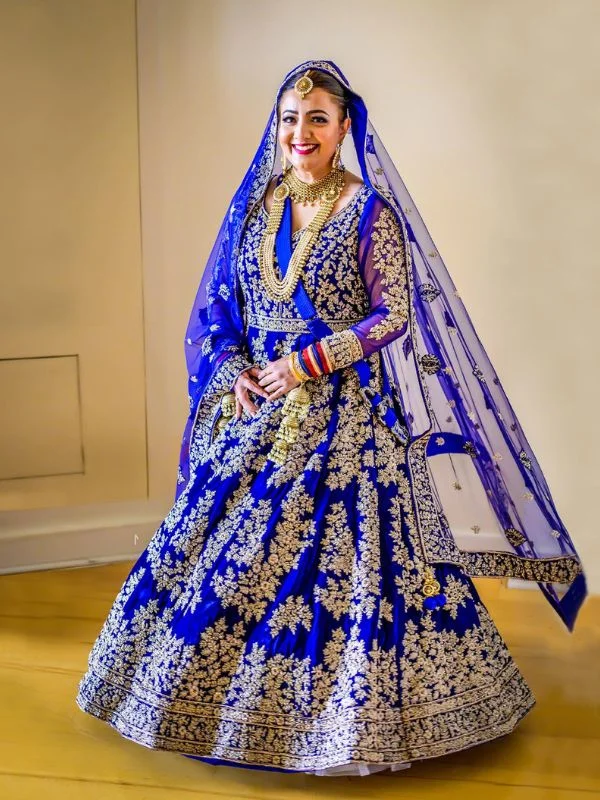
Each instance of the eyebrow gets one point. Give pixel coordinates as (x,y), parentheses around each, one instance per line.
(312,111)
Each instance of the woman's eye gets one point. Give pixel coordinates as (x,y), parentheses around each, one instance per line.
(290,120)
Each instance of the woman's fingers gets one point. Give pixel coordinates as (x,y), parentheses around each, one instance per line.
(270,383)
(244,399)
(282,387)
(254,387)
(268,378)
(274,370)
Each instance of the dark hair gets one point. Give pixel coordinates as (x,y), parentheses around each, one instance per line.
(323,80)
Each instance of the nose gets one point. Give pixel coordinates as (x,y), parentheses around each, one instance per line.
(303,132)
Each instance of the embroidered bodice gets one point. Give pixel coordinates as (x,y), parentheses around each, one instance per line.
(355,276)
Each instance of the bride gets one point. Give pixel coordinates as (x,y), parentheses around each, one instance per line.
(350,461)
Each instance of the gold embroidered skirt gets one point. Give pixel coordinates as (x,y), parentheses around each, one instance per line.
(276,618)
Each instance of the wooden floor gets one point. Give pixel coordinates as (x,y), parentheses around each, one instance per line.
(50,749)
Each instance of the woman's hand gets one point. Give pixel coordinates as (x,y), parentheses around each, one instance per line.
(244,384)
(277,378)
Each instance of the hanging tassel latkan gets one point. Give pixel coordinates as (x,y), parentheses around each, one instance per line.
(295,410)
(432,590)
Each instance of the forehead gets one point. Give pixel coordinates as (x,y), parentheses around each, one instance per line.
(316,98)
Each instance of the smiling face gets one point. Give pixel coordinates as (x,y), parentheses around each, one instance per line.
(310,129)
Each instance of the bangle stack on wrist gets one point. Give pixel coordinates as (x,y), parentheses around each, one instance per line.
(317,359)
(311,361)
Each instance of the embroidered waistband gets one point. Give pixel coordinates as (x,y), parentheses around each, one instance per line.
(293,324)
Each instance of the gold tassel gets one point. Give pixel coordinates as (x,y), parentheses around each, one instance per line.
(295,410)
(227,412)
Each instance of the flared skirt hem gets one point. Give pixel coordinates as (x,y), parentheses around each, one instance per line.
(412,734)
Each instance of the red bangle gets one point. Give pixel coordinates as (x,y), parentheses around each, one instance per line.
(311,360)
(323,356)
(308,362)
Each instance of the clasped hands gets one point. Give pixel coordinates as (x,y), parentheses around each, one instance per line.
(271,382)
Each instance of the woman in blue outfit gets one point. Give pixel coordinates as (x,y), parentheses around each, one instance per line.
(349,462)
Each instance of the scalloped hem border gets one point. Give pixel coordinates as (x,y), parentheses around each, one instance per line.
(404,753)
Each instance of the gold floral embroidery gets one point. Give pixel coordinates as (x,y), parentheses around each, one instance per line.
(256,583)
(440,692)
(195,667)
(389,259)
(291,325)
(292,614)
(457,594)
(247,704)
(443,664)
(514,536)
(344,347)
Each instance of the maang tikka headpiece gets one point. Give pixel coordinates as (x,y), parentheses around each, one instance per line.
(303,85)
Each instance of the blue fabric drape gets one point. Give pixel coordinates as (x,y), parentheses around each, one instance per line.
(438,370)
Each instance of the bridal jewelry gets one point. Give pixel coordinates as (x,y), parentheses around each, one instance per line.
(303,85)
(432,591)
(311,193)
(326,191)
(295,411)
(295,367)
(337,157)
(227,412)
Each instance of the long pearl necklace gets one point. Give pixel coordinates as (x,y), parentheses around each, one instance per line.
(326,190)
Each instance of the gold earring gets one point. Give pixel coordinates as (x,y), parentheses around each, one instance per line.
(283,162)
(336,156)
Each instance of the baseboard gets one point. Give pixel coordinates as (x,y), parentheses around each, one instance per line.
(77,537)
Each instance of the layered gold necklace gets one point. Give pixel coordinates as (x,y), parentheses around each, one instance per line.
(325,191)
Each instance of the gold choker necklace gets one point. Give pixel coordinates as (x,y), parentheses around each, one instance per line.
(302,192)
(326,190)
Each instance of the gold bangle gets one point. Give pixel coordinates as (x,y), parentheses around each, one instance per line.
(306,376)
(296,369)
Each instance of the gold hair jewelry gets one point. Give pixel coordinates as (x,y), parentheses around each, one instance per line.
(327,190)
(303,85)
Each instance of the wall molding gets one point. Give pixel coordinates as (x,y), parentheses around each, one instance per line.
(79,536)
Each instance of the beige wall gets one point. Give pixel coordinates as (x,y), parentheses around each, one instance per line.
(72,411)
(489,111)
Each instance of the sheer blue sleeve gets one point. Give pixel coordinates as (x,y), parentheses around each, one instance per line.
(382,264)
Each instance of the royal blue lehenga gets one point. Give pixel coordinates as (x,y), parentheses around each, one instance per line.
(276,619)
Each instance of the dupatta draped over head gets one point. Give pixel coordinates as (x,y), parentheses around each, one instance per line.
(480,496)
